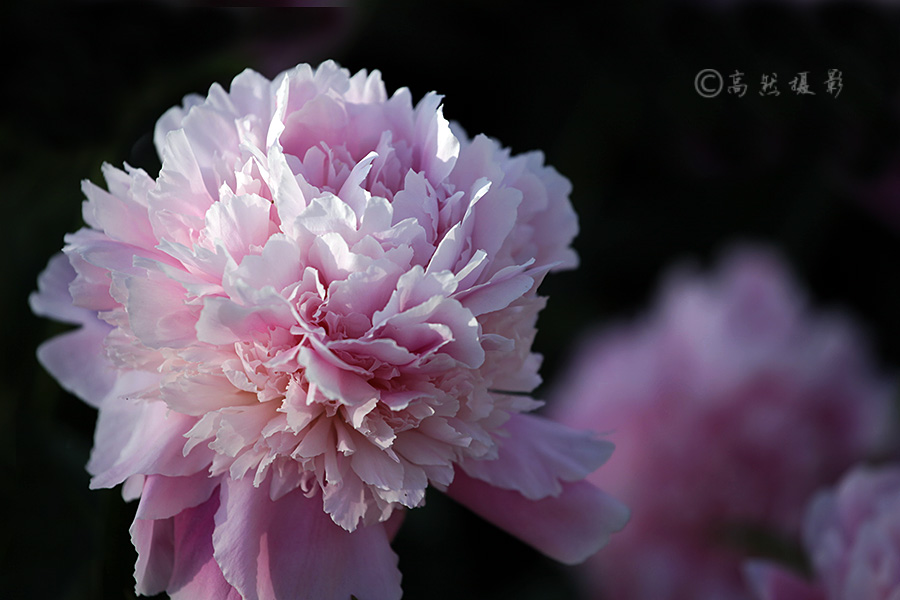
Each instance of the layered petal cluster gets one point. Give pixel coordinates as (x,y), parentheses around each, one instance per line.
(852,538)
(323,305)
(729,405)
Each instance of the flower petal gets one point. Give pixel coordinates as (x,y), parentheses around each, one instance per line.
(164,497)
(290,549)
(176,555)
(538,455)
(53,298)
(73,359)
(158,314)
(143,437)
(568,528)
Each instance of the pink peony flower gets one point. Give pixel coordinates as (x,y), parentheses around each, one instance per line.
(852,537)
(323,305)
(729,405)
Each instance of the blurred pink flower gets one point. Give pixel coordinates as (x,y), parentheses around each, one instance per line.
(852,538)
(729,405)
(324,304)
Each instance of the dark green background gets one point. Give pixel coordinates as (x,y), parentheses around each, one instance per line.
(607,92)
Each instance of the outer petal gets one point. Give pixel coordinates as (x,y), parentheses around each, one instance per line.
(538,455)
(141,437)
(155,545)
(291,549)
(207,582)
(569,528)
(176,555)
(770,582)
(76,359)
(165,497)
(53,298)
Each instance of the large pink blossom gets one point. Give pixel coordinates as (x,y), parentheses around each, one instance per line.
(323,305)
(729,405)
(852,538)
